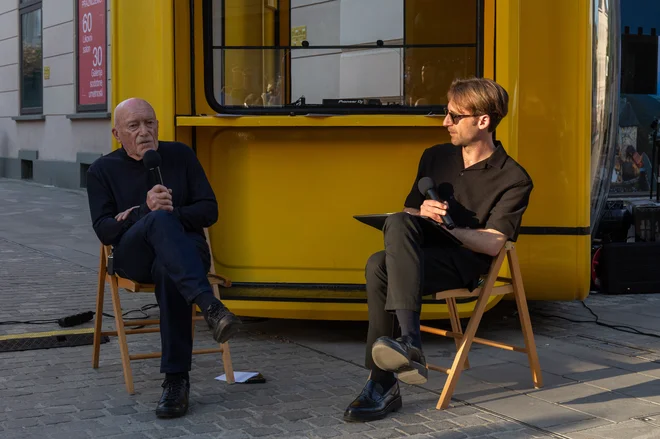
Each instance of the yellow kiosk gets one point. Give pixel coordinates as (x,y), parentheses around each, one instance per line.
(305,113)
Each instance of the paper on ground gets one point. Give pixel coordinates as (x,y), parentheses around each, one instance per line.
(239,377)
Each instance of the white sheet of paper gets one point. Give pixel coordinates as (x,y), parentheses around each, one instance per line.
(239,377)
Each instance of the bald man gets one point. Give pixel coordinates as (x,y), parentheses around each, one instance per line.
(157,234)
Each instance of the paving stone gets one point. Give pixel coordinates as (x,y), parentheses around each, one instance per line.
(437,415)
(414,429)
(122,410)
(167,432)
(295,427)
(21,423)
(524,433)
(295,415)
(203,428)
(235,424)
(355,427)
(71,435)
(262,431)
(132,436)
(441,425)
(385,434)
(454,434)
(464,410)
(235,435)
(324,432)
(324,421)
(90,405)
(469,420)
(410,419)
(108,431)
(289,397)
(55,419)
(264,401)
(236,414)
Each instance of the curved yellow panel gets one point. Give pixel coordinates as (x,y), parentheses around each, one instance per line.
(554,129)
(287,197)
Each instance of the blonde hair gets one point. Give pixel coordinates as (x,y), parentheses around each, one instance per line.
(480,96)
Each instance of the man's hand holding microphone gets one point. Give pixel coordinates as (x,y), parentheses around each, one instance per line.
(434,208)
(160,198)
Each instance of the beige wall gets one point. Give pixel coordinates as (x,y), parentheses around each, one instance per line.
(59,137)
(336,73)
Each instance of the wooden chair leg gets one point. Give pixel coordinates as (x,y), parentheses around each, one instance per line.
(226,362)
(470,332)
(121,335)
(226,354)
(456,325)
(525,321)
(98,322)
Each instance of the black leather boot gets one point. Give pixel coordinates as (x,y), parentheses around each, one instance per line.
(374,403)
(401,357)
(222,322)
(174,400)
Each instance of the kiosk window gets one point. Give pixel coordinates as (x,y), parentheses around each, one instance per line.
(339,56)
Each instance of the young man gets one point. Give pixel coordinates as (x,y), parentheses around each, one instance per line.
(485,192)
(157,234)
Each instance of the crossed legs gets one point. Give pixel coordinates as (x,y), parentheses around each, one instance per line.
(397,278)
(158,250)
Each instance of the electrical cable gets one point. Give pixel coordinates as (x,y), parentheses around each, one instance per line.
(142,310)
(622,328)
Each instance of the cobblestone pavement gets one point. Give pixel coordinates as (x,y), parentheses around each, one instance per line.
(599,383)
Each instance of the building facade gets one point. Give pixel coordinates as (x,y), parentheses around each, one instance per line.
(54,89)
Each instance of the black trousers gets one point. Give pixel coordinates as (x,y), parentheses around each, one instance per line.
(158,250)
(408,269)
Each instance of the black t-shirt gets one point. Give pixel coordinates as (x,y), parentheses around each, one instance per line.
(117,182)
(491,194)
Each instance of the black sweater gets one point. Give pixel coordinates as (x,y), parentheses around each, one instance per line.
(116,182)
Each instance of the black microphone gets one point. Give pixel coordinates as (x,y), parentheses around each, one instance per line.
(151,160)
(427,187)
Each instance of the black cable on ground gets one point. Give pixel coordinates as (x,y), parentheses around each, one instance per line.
(622,328)
(59,321)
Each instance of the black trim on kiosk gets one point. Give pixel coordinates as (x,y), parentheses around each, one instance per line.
(555,231)
(480,37)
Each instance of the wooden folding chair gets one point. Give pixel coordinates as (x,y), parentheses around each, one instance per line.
(116,282)
(464,340)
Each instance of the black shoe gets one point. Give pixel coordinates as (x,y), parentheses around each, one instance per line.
(174,400)
(222,322)
(401,357)
(374,403)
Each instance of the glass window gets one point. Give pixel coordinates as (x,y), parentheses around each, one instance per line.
(338,56)
(31,57)
(639,104)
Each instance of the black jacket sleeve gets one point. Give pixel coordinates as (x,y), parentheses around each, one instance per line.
(201,209)
(102,208)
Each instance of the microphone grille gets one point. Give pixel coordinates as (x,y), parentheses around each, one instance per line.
(151,159)
(424,184)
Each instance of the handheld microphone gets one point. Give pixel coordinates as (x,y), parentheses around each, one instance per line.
(151,160)
(427,187)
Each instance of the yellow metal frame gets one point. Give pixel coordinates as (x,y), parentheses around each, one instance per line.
(288,186)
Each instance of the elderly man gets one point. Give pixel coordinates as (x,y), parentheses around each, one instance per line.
(157,236)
